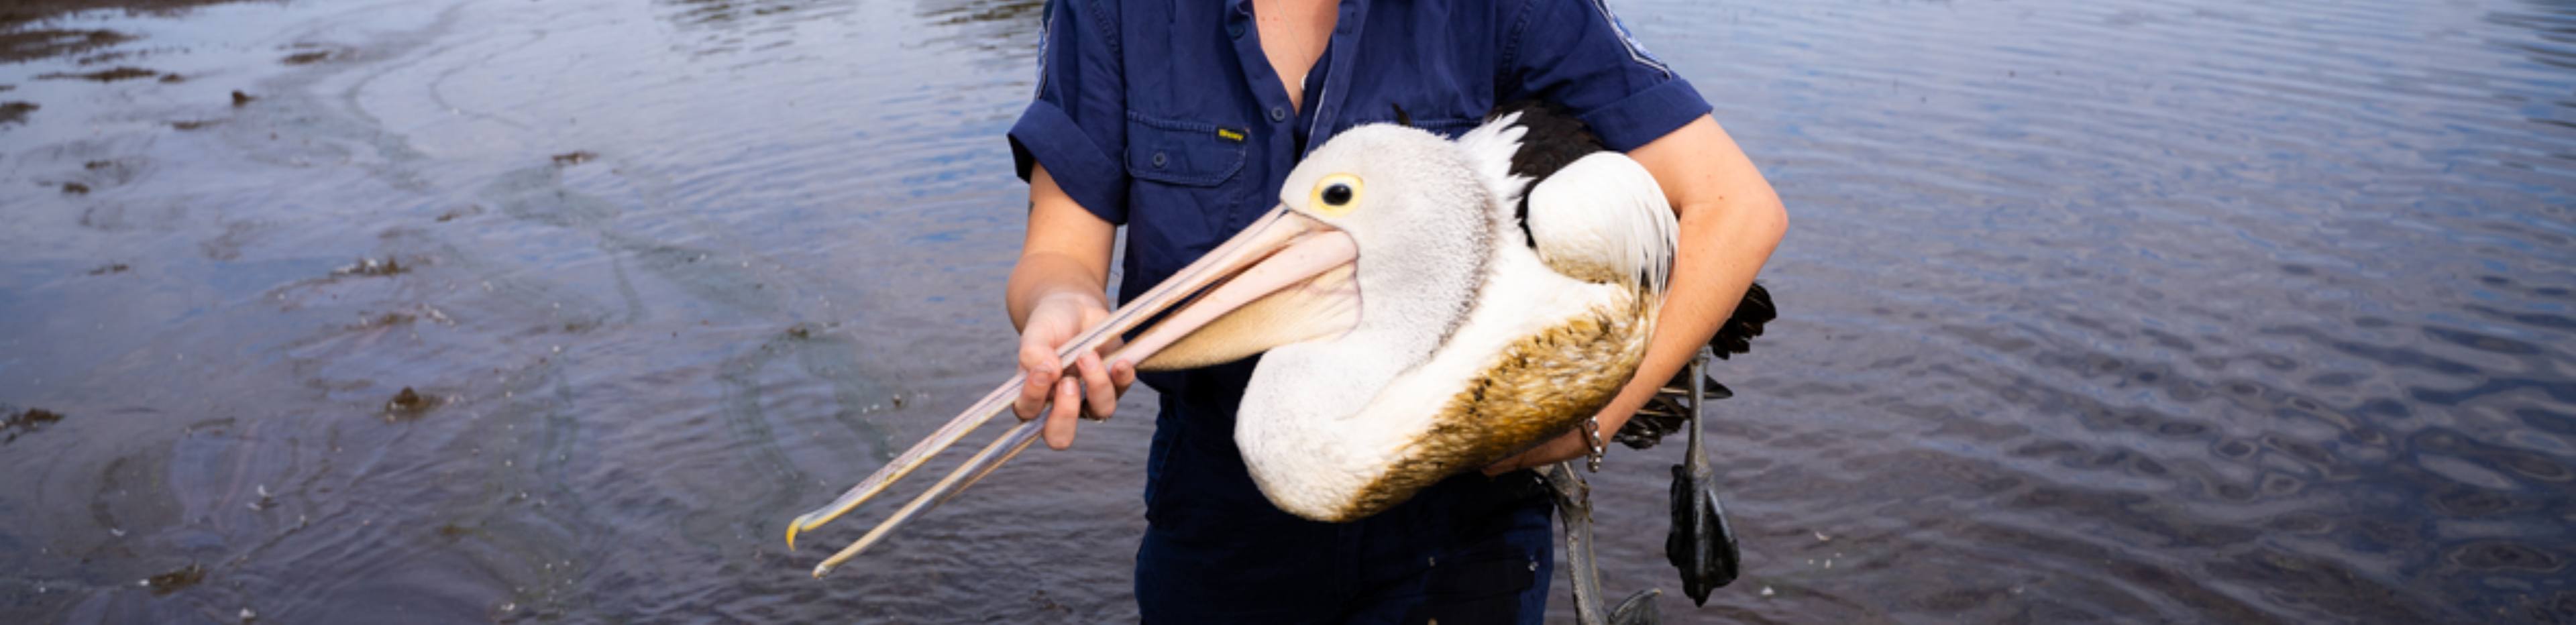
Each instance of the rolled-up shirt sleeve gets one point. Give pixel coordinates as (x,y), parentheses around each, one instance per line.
(1577,54)
(1077,123)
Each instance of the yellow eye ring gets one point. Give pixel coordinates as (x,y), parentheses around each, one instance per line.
(1335,195)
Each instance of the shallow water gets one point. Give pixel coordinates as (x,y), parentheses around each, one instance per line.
(2191,311)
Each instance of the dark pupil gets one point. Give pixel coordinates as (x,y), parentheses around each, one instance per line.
(1338,194)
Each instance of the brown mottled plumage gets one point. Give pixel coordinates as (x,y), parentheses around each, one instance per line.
(1536,388)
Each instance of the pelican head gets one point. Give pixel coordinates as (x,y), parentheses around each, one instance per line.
(1383,238)
(1380,236)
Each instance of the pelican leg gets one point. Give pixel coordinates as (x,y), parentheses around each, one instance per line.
(1583,568)
(1701,544)
(1574,512)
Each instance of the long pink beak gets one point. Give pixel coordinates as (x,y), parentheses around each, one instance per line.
(1279,250)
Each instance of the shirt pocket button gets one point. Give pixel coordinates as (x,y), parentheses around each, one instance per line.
(1181,152)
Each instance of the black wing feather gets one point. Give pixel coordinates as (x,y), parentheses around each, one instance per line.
(1665,414)
(1552,139)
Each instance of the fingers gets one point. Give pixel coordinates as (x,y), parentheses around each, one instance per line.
(1099,393)
(1039,361)
(1060,418)
(1094,389)
(1050,392)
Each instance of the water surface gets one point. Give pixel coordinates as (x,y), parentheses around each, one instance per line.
(2184,311)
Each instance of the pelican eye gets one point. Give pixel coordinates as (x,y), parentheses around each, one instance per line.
(1336,195)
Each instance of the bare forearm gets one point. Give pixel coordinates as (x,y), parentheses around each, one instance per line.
(1066,254)
(1723,246)
(1043,275)
(1731,220)
(1055,292)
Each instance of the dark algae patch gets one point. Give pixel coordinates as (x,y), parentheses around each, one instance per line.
(105,75)
(309,53)
(409,404)
(454,213)
(174,581)
(240,98)
(110,268)
(22,11)
(27,422)
(28,45)
(74,188)
(15,112)
(575,157)
(388,320)
(407,400)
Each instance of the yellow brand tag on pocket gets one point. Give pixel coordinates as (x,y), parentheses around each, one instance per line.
(1230,134)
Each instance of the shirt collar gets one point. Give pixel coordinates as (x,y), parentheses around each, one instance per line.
(1347,26)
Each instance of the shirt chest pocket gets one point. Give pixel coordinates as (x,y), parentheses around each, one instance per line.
(1186,153)
(1188,181)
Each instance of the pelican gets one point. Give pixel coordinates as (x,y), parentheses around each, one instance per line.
(1426,306)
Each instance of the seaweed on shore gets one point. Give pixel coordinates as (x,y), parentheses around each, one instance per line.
(173,581)
(27,422)
(15,112)
(105,75)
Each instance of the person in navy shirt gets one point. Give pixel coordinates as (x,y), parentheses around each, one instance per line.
(1180,119)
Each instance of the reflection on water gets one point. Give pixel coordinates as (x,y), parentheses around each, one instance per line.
(755,26)
(478,310)
(1001,29)
(733,12)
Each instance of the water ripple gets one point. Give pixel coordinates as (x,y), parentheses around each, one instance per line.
(2193,311)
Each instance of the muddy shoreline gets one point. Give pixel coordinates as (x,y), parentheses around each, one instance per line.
(23,38)
(23,11)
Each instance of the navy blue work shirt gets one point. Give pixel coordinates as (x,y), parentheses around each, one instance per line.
(1167,118)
